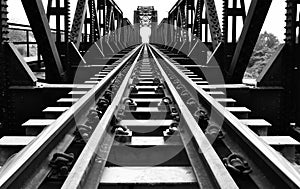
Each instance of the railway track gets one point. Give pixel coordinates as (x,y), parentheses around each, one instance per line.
(146,123)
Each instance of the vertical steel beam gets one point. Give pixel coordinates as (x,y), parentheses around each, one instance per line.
(42,33)
(230,12)
(3,26)
(291,62)
(234,13)
(254,21)
(291,23)
(102,16)
(198,22)
(208,23)
(3,80)
(190,17)
(94,20)
(59,10)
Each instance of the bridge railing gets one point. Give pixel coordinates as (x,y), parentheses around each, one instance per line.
(26,42)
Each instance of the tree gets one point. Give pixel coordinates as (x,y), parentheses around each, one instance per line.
(266,40)
(20,36)
(267,44)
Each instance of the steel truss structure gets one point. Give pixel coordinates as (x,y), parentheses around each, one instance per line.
(99,25)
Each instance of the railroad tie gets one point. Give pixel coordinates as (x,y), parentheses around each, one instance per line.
(54,112)
(33,127)
(259,126)
(10,145)
(286,145)
(239,112)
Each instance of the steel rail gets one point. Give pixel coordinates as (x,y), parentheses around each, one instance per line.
(28,158)
(277,163)
(77,178)
(215,167)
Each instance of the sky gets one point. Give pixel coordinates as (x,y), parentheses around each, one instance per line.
(274,23)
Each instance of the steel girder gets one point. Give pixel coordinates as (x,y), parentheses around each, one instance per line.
(291,23)
(92,30)
(100,22)
(101,8)
(213,20)
(199,22)
(162,32)
(78,22)
(136,21)
(110,21)
(125,32)
(291,63)
(209,21)
(59,11)
(3,39)
(154,26)
(254,21)
(282,72)
(180,25)
(110,28)
(233,12)
(4,25)
(225,53)
(3,80)
(179,14)
(18,71)
(91,26)
(112,14)
(14,72)
(42,33)
(172,17)
(94,23)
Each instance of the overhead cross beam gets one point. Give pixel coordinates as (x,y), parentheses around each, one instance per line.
(38,21)
(254,21)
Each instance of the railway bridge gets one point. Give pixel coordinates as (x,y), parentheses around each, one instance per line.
(110,103)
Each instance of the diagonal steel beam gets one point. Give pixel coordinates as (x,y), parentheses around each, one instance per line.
(214,24)
(254,21)
(38,21)
(78,22)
